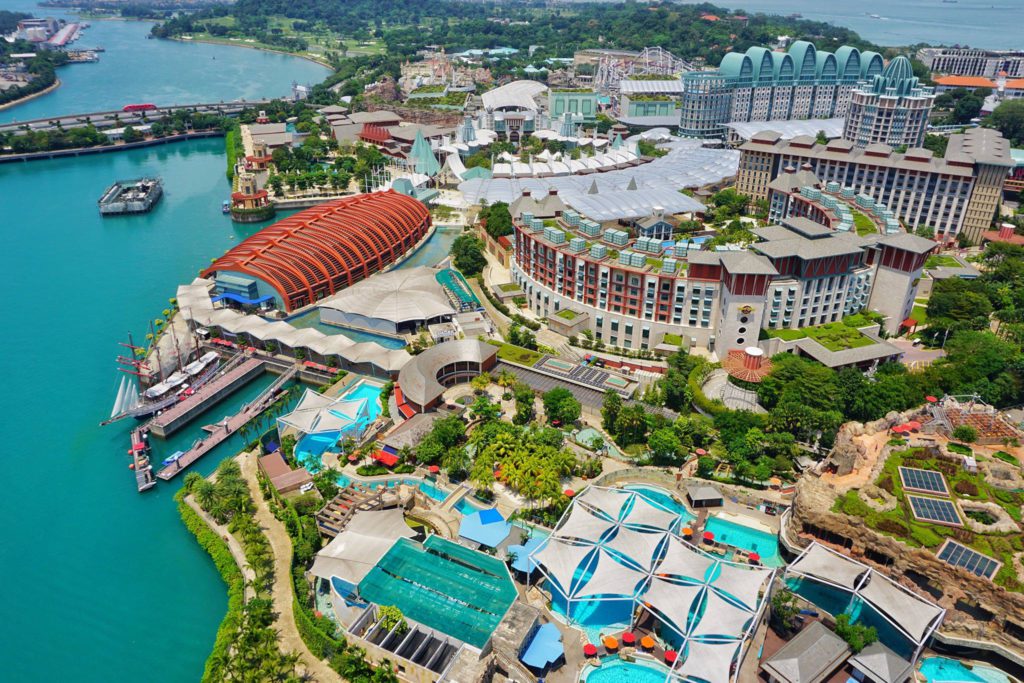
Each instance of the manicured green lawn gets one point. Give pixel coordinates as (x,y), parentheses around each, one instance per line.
(673,339)
(919,314)
(509,287)
(862,224)
(516,354)
(567,314)
(941,261)
(833,336)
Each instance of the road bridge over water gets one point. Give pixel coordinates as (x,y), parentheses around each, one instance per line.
(115,118)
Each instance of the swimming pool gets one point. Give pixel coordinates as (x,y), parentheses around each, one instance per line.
(747,538)
(660,496)
(940,669)
(615,670)
(310,448)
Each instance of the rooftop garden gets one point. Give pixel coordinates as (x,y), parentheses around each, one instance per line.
(516,354)
(509,287)
(899,521)
(673,339)
(567,314)
(941,261)
(837,336)
(423,89)
(862,224)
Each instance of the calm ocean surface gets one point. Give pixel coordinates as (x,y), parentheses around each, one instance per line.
(979,23)
(164,72)
(101,583)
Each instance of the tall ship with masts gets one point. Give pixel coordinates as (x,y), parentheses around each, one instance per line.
(166,390)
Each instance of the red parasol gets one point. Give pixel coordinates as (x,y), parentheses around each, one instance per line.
(628,638)
(569,493)
(670,656)
(433,469)
(589,650)
(708,536)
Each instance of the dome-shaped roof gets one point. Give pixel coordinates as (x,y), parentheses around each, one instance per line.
(321,250)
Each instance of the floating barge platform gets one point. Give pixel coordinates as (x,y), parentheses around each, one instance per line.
(131,196)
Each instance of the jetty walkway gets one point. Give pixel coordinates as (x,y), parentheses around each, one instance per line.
(238,372)
(222,430)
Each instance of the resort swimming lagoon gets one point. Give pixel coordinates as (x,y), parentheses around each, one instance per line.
(310,448)
(746,537)
(615,670)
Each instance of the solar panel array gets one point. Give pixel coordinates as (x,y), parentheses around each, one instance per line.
(926,481)
(935,510)
(961,556)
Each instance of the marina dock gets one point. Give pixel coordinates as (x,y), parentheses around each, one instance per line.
(228,426)
(144,478)
(180,414)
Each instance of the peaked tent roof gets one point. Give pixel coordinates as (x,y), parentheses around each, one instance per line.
(423,157)
(682,560)
(560,560)
(583,524)
(820,563)
(608,501)
(638,546)
(711,662)
(740,583)
(721,618)
(673,601)
(610,578)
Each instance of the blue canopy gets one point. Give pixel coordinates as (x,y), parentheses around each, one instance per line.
(523,563)
(486,527)
(545,648)
(238,298)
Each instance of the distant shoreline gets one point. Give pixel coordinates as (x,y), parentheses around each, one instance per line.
(22,100)
(253,47)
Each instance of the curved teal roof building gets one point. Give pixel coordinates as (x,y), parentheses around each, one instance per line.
(803,63)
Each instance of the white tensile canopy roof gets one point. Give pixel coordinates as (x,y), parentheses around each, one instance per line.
(708,661)
(610,578)
(672,601)
(645,514)
(608,501)
(398,296)
(358,548)
(682,560)
(743,584)
(818,562)
(912,614)
(560,561)
(626,566)
(319,414)
(638,546)
(517,94)
(583,525)
(721,618)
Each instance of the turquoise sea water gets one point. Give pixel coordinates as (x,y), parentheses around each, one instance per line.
(978,23)
(164,72)
(101,583)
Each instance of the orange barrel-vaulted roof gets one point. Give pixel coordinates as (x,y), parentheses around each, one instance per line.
(321,250)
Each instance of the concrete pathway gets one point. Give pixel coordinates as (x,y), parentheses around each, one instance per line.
(281,594)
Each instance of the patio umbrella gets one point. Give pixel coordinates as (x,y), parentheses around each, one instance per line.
(569,493)
(708,537)
(589,650)
(754,558)
(647,643)
(670,657)
(687,532)
(628,638)
(931,399)
(701,451)
(433,469)
(610,643)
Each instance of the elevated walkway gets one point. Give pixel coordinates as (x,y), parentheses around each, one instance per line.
(454,498)
(228,426)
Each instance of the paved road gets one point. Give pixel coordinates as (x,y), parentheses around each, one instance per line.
(916,356)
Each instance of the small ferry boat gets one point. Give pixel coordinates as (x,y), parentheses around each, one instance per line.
(131,196)
(225,207)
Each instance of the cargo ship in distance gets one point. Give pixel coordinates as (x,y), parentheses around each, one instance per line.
(131,196)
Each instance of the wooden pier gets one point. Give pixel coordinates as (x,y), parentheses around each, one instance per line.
(233,377)
(144,478)
(228,426)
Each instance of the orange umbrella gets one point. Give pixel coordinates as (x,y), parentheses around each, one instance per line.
(687,531)
(610,643)
(647,643)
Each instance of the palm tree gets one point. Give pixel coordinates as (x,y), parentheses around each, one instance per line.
(205,493)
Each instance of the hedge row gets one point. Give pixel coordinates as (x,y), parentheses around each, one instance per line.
(218,550)
(319,643)
(696,381)
(505,310)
